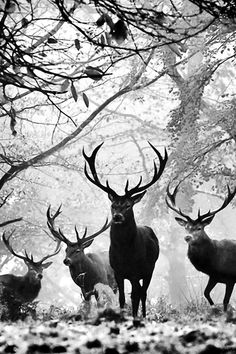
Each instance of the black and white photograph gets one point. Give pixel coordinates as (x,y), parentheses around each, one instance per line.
(118,176)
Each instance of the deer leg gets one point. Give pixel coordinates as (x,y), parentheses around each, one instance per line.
(120,284)
(210,285)
(144,288)
(228,292)
(135,296)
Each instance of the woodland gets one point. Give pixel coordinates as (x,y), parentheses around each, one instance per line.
(75,74)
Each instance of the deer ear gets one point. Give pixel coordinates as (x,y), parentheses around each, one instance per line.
(208,220)
(46,265)
(137,197)
(182,222)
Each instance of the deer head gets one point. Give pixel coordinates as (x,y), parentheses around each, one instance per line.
(195,227)
(35,269)
(74,250)
(122,205)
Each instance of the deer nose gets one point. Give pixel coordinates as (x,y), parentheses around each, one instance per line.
(118,217)
(188,238)
(67,261)
(40,276)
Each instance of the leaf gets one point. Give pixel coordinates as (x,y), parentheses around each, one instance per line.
(100,22)
(52,40)
(86,100)
(94,73)
(102,40)
(12,114)
(65,85)
(77,44)
(73,92)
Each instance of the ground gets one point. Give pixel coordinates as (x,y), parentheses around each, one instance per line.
(110,332)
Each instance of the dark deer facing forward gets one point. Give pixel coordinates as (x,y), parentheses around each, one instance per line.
(215,258)
(89,269)
(18,290)
(133,249)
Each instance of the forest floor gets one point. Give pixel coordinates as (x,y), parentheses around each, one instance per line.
(207,331)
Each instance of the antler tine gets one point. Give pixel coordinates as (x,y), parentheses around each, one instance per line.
(172,205)
(50,222)
(85,232)
(132,190)
(57,250)
(156,176)
(91,237)
(9,247)
(80,240)
(227,200)
(95,180)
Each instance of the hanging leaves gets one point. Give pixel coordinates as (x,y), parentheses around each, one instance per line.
(102,40)
(65,85)
(94,73)
(73,92)
(77,44)
(86,100)
(52,40)
(12,114)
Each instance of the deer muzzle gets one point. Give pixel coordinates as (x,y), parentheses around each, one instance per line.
(188,238)
(67,261)
(118,218)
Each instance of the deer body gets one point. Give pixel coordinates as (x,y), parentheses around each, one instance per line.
(18,290)
(133,249)
(129,256)
(215,258)
(22,288)
(89,269)
(133,257)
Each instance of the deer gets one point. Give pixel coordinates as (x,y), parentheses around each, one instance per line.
(16,291)
(134,249)
(86,269)
(215,258)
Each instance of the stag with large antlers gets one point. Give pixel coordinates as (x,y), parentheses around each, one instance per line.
(215,258)
(89,269)
(133,249)
(18,290)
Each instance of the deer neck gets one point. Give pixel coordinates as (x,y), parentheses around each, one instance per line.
(200,252)
(124,233)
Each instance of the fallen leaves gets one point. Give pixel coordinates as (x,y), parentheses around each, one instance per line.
(117,334)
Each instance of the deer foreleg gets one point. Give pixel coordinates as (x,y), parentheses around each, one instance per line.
(120,284)
(210,285)
(135,296)
(228,292)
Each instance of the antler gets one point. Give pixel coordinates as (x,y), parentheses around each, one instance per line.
(200,218)
(9,247)
(60,236)
(57,250)
(172,203)
(156,176)
(50,222)
(83,240)
(227,200)
(95,180)
(128,192)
